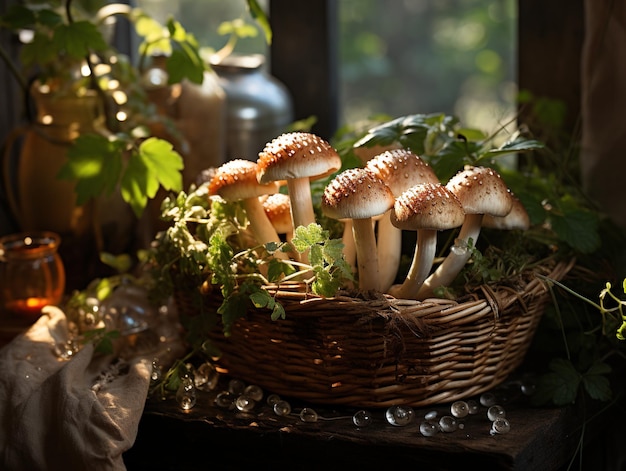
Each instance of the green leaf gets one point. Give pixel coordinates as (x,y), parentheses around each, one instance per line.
(17,17)
(597,386)
(181,65)
(560,386)
(79,38)
(155,164)
(578,228)
(95,162)
(261,18)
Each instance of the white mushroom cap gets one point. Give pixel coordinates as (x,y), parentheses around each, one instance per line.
(427,206)
(481,190)
(516,219)
(401,169)
(236,180)
(356,194)
(297,155)
(278,210)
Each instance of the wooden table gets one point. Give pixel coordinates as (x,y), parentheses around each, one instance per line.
(540,439)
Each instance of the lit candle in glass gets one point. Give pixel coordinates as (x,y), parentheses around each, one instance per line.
(31,272)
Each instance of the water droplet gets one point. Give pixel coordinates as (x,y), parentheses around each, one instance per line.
(362,418)
(429,428)
(272,399)
(496,412)
(500,425)
(245,403)
(254,392)
(472,407)
(448,424)
(236,386)
(487,399)
(528,388)
(308,415)
(431,415)
(206,377)
(282,408)
(459,409)
(225,399)
(186,394)
(156,373)
(400,415)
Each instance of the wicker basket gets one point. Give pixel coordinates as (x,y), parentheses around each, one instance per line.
(387,351)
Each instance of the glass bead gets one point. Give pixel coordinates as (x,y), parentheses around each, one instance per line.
(308,415)
(186,394)
(487,399)
(459,409)
(156,373)
(245,403)
(495,412)
(429,428)
(225,399)
(282,408)
(448,424)
(400,416)
(236,386)
(272,399)
(528,388)
(500,425)
(254,392)
(472,407)
(362,418)
(206,377)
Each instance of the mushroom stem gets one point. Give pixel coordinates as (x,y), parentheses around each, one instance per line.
(302,212)
(425,250)
(349,247)
(389,245)
(260,225)
(459,254)
(366,256)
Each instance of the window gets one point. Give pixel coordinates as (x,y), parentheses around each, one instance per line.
(393,58)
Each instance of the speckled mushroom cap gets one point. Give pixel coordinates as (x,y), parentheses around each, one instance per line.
(297,155)
(517,218)
(427,206)
(356,194)
(401,169)
(236,180)
(277,208)
(481,190)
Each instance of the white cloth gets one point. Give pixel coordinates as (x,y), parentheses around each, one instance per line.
(52,416)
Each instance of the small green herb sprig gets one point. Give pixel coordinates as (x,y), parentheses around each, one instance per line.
(206,252)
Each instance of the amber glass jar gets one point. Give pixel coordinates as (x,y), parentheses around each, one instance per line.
(31,272)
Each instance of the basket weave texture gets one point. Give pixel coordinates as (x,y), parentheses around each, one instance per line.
(380,352)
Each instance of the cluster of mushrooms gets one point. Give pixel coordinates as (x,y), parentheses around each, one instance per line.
(394,191)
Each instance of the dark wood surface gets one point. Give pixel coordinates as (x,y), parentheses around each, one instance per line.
(540,439)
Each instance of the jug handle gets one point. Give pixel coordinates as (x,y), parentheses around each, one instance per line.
(6,169)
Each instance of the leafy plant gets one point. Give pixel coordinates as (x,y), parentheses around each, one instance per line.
(69,38)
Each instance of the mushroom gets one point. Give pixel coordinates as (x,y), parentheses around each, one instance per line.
(400,169)
(481,191)
(358,195)
(236,181)
(277,208)
(298,158)
(425,208)
(516,219)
